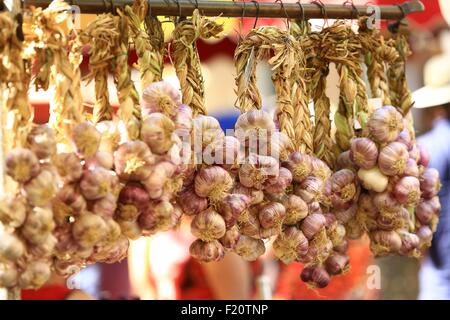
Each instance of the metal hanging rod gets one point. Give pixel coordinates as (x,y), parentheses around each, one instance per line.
(248,9)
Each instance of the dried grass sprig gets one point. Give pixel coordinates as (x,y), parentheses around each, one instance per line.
(186,59)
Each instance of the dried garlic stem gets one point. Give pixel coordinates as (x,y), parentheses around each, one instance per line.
(150,58)
(378,53)
(57,67)
(343,48)
(102,35)
(400,93)
(187,61)
(17,113)
(245,57)
(129,111)
(300,93)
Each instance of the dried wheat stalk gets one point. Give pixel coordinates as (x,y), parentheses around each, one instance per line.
(186,59)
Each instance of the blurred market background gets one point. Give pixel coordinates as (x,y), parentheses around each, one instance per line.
(158,267)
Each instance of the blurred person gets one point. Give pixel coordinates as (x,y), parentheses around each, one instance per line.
(434,275)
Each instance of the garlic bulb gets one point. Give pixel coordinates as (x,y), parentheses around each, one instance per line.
(249,248)
(296,209)
(257,170)
(300,166)
(208,225)
(96,183)
(206,131)
(373,179)
(310,190)
(206,251)
(320,169)
(110,136)
(41,141)
(157,131)
(190,203)
(343,188)
(407,191)
(11,248)
(86,138)
(133,160)
(89,229)
(68,202)
(157,218)
(272,215)
(337,264)
(105,207)
(13,210)
(312,224)
(364,153)
(280,183)
(69,166)
(385,242)
(385,124)
(21,165)
(290,244)
(158,178)
(256,196)
(230,238)
(183,120)
(45,247)
(393,158)
(232,206)
(8,276)
(213,183)
(344,161)
(225,152)
(36,274)
(41,189)
(160,97)
(430,184)
(101,158)
(130,229)
(254,121)
(38,224)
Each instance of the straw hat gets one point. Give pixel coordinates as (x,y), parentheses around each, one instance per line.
(436,91)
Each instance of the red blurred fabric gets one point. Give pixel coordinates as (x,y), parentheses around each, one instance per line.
(49,292)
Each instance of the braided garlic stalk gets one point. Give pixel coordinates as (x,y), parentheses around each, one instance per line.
(378,54)
(102,35)
(300,93)
(187,61)
(129,110)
